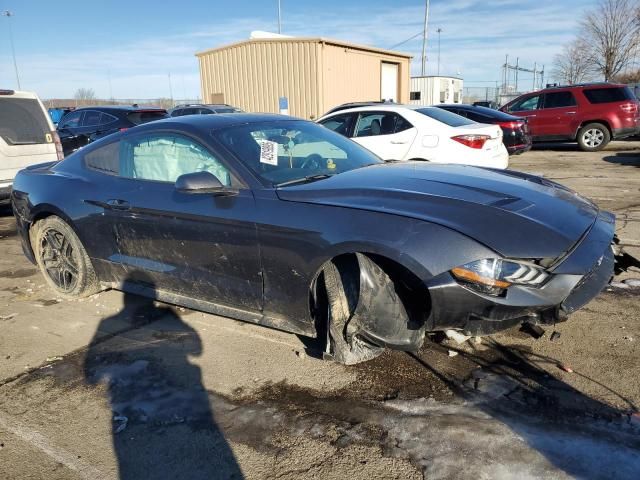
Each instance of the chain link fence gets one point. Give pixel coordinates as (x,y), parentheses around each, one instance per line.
(480,94)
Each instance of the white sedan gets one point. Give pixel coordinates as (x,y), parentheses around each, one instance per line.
(408,132)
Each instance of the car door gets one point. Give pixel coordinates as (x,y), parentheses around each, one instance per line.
(68,129)
(528,107)
(387,134)
(196,245)
(557,115)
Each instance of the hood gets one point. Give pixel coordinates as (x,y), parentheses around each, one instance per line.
(515,214)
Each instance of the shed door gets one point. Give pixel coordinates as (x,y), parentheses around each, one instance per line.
(389,82)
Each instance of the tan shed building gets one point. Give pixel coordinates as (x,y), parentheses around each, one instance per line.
(314,74)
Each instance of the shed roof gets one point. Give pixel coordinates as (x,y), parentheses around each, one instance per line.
(327,41)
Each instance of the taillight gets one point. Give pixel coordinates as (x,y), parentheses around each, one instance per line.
(472,141)
(58,144)
(512,125)
(122,129)
(629,107)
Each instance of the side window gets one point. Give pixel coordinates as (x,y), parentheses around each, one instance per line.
(369,124)
(205,111)
(525,104)
(164,158)
(340,123)
(70,120)
(105,159)
(414,95)
(106,118)
(559,99)
(177,113)
(91,118)
(402,124)
(189,111)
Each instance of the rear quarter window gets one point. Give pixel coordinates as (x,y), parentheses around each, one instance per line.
(23,122)
(105,159)
(608,95)
(443,116)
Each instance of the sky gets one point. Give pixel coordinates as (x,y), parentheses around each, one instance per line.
(139,49)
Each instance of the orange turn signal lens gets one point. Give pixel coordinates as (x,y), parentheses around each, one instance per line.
(474,277)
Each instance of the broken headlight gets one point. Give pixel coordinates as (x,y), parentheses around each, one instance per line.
(493,275)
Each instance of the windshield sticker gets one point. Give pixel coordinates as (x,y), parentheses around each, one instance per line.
(269,152)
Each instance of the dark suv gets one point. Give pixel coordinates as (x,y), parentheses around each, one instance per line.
(590,114)
(84,125)
(202,109)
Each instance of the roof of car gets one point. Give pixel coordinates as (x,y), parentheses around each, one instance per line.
(122,108)
(214,122)
(391,107)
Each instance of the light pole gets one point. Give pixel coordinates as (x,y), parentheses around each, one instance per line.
(279,18)
(424,38)
(8,14)
(439,30)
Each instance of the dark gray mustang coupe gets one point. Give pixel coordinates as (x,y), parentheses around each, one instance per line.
(284,223)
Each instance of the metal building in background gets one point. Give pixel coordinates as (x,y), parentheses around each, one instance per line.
(313,74)
(434,90)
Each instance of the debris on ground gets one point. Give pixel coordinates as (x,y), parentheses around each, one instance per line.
(53,359)
(301,354)
(620,285)
(554,336)
(120,423)
(627,337)
(565,368)
(632,282)
(8,317)
(456,336)
(536,331)
(477,340)
(453,353)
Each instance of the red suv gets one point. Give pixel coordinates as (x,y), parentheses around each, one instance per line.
(590,114)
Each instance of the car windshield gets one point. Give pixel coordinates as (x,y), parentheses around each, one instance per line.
(443,116)
(288,152)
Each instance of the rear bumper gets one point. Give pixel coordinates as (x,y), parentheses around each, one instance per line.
(625,132)
(577,279)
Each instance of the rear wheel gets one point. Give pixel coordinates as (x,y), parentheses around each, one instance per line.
(62,259)
(593,137)
(342,284)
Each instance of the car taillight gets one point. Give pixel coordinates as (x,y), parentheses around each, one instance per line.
(629,107)
(58,144)
(122,129)
(512,125)
(472,141)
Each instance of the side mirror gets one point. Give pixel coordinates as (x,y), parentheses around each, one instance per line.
(201,182)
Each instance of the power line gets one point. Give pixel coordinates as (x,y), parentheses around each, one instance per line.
(405,41)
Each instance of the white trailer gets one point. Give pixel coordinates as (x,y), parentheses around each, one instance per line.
(434,90)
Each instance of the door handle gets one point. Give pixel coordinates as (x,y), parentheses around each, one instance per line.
(399,142)
(118,204)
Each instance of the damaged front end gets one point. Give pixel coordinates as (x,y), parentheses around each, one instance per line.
(483,298)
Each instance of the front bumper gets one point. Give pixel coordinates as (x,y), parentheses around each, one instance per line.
(577,279)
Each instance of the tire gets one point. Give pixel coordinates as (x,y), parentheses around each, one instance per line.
(341,279)
(62,259)
(593,137)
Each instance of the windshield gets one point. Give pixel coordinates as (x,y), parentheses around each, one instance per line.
(285,151)
(448,118)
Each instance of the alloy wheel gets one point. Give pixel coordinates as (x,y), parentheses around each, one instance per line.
(593,137)
(59,260)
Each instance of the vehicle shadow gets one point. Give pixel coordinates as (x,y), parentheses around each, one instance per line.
(624,158)
(163,425)
(508,383)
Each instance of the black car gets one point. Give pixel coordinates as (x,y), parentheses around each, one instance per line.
(84,125)
(202,109)
(282,222)
(516,136)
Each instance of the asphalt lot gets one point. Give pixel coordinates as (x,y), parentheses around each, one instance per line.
(116,386)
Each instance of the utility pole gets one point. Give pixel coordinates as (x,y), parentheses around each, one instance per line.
(424,38)
(279,18)
(439,30)
(170,89)
(8,14)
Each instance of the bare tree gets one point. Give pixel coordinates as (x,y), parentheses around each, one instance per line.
(611,33)
(572,66)
(84,94)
